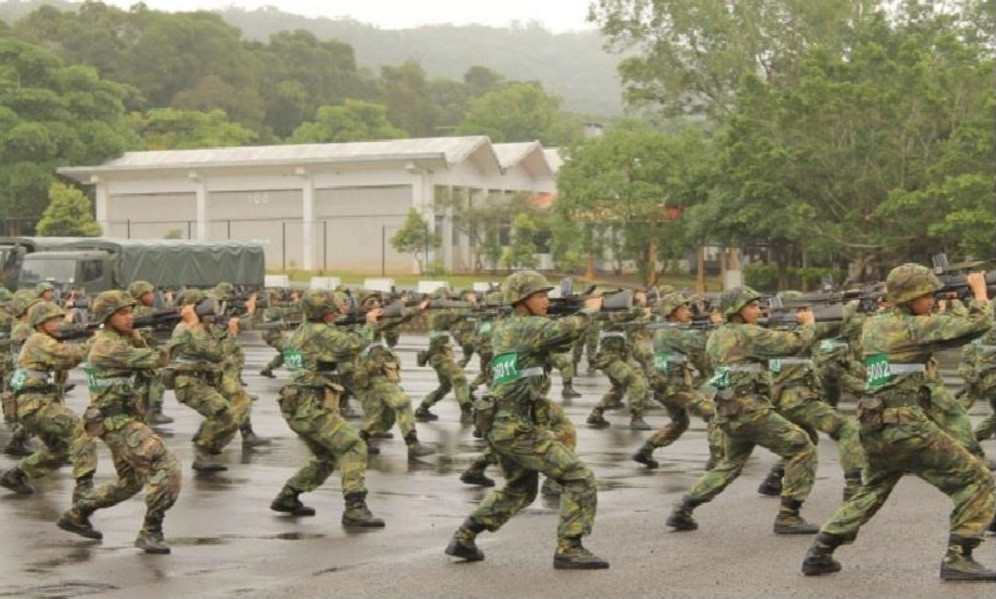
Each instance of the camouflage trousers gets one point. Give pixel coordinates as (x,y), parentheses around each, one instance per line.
(917,446)
(628,380)
(949,414)
(558,424)
(450,376)
(220,418)
(761,425)
(333,443)
(587,344)
(276,340)
(237,396)
(564,365)
(141,458)
(802,407)
(987,428)
(384,403)
(484,377)
(679,400)
(525,451)
(154,392)
(62,435)
(839,374)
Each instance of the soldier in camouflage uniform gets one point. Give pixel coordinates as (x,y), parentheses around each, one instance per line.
(739,351)
(834,357)
(984,364)
(518,433)
(274,337)
(17,445)
(197,359)
(40,407)
(465,331)
(143,293)
(309,404)
(45,292)
(377,378)
(673,382)
(797,396)
(897,435)
(118,359)
(613,358)
(440,357)
(484,348)
(587,344)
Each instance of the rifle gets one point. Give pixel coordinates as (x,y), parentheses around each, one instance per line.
(955,280)
(164,319)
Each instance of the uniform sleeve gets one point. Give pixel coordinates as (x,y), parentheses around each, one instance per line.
(767,343)
(341,346)
(123,355)
(554,333)
(61,356)
(941,331)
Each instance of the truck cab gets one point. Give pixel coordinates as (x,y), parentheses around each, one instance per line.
(89,271)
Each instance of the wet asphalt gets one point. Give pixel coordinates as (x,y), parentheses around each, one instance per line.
(227,543)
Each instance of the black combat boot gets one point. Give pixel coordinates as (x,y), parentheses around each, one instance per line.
(789,522)
(645,456)
(819,558)
(681,517)
(568,391)
(18,446)
(771,486)
(371,448)
(462,544)
(596,419)
(474,474)
(77,521)
(357,513)
(422,358)
(267,372)
(416,449)
(572,555)
(422,414)
(15,480)
(249,438)
(150,538)
(288,503)
(852,482)
(958,563)
(467,413)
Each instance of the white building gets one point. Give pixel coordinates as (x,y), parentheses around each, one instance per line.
(316,206)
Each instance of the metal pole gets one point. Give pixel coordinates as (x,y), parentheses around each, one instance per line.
(128,229)
(189,225)
(229,228)
(383,244)
(325,244)
(283,243)
(426,264)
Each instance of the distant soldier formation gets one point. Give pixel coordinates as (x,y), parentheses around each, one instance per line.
(756,370)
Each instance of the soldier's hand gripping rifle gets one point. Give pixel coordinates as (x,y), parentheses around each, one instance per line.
(954,278)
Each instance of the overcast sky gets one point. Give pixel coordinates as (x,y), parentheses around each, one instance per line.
(555,15)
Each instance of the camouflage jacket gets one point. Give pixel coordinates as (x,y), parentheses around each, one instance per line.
(43,355)
(614,341)
(196,350)
(740,352)
(798,369)
(898,344)
(377,359)
(674,347)
(440,322)
(117,365)
(315,350)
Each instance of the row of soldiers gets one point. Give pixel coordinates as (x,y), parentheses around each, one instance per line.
(774,404)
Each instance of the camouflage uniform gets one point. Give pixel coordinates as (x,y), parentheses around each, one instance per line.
(449,373)
(154,388)
(899,438)
(520,435)
(309,404)
(464,332)
(41,411)
(739,353)
(838,370)
(274,337)
(626,378)
(985,369)
(17,445)
(587,344)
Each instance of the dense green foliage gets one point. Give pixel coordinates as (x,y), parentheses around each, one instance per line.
(69,214)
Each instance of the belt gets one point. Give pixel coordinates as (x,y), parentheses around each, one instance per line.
(106,382)
(676,359)
(604,334)
(367,349)
(534,371)
(37,374)
(803,361)
(439,334)
(895,368)
(743,368)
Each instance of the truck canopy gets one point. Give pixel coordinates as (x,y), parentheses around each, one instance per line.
(180,262)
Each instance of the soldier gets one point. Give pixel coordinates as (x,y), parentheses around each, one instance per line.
(464,331)
(40,407)
(834,357)
(278,312)
(673,385)
(143,293)
(587,344)
(519,434)
(17,445)
(613,358)
(197,359)
(484,348)
(45,292)
(899,437)
(440,357)
(739,350)
(309,404)
(985,368)
(119,355)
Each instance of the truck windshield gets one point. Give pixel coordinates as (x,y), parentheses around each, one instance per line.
(35,271)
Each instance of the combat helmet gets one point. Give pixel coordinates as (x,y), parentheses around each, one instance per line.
(22,300)
(733,300)
(672,301)
(42,311)
(223,291)
(109,302)
(5,295)
(909,281)
(316,303)
(520,285)
(140,288)
(41,288)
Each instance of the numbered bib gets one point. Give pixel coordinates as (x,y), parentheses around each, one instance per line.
(878,372)
(91,379)
(505,368)
(293,360)
(660,360)
(720,380)
(17,379)
(775,365)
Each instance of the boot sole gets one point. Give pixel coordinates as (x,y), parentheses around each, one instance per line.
(95,535)
(362,524)
(797,531)
(682,527)
(953,576)
(464,554)
(568,565)
(299,513)
(820,569)
(18,490)
(479,483)
(153,550)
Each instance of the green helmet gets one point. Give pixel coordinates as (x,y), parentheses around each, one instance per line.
(23,299)
(441,293)
(42,311)
(109,302)
(43,287)
(672,301)
(316,303)
(520,285)
(5,295)
(191,296)
(223,291)
(140,288)
(790,294)
(909,281)
(733,300)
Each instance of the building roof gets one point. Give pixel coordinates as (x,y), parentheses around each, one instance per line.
(444,151)
(529,155)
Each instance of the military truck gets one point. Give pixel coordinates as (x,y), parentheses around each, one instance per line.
(14,249)
(97,264)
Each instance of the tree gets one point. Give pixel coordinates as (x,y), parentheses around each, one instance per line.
(415,238)
(405,92)
(69,214)
(354,120)
(522,252)
(171,129)
(519,112)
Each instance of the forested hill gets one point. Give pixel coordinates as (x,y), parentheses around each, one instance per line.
(571,65)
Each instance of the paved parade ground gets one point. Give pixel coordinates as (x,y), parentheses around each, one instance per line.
(227,543)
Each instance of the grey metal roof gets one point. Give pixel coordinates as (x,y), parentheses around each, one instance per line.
(553,158)
(514,154)
(451,149)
